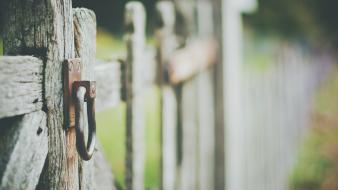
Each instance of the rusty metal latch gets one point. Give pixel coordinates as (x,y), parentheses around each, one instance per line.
(76,94)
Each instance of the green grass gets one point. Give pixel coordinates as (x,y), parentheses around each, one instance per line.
(111,123)
(152,173)
(317,165)
(109,47)
(111,132)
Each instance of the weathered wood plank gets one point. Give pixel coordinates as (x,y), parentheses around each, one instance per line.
(135,39)
(108,84)
(189,61)
(20,85)
(166,44)
(85,48)
(21,79)
(95,173)
(23,147)
(45,29)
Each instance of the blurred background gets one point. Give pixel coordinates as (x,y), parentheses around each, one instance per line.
(283,132)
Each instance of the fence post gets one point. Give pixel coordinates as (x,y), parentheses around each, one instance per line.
(45,29)
(219,100)
(188,109)
(206,103)
(91,173)
(166,43)
(135,40)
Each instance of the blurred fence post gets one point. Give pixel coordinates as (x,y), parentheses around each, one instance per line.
(219,176)
(188,109)
(135,40)
(205,102)
(166,43)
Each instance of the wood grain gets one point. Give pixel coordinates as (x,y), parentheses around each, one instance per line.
(45,29)
(23,147)
(21,85)
(95,173)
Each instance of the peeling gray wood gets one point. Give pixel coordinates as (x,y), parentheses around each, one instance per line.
(85,48)
(45,29)
(108,85)
(135,83)
(166,45)
(21,85)
(23,147)
(85,40)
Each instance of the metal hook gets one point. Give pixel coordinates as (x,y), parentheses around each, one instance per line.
(85,91)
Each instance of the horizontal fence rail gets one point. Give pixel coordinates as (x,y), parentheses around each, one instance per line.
(22,80)
(21,85)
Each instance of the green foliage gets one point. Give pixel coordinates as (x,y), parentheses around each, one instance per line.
(317,166)
(109,13)
(313,20)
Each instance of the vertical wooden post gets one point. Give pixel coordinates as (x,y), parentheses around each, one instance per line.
(85,48)
(166,43)
(189,169)
(188,173)
(206,103)
(219,176)
(135,39)
(45,29)
(95,173)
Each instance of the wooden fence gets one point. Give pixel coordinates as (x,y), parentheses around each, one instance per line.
(275,111)
(265,113)
(39,152)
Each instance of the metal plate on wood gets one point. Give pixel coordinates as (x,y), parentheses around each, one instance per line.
(72,72)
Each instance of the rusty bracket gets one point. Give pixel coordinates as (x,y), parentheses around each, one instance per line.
(72,72)
(76,93)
